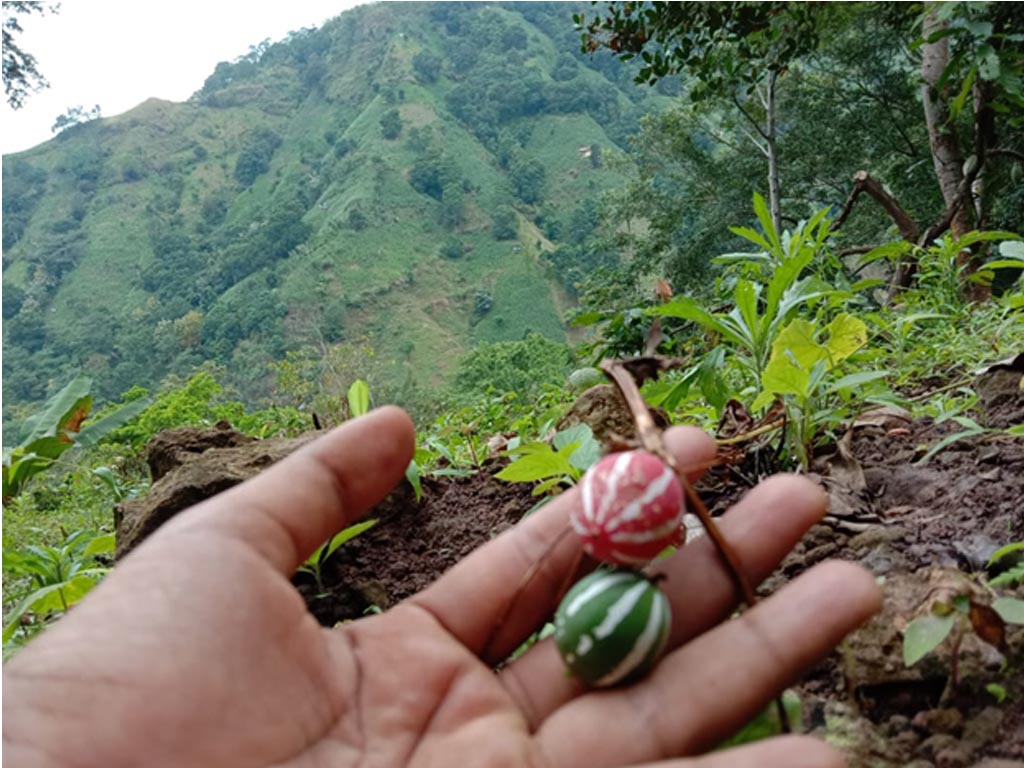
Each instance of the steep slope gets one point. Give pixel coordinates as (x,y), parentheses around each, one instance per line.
(392,177)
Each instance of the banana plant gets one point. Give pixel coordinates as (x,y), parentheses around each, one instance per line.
(58,427)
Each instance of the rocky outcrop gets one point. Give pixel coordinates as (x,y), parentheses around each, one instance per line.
(605,410)
(189,465)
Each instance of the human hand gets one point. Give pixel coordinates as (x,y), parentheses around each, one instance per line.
(197,650)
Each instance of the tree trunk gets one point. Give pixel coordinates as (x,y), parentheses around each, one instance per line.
(946,155)
(774,193)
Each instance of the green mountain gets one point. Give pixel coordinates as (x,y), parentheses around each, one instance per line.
(392,179)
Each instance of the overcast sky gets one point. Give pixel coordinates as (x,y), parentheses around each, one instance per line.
(118,53)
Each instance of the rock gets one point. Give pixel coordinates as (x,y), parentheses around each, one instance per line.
(949,721)
(952,757)
(604,409)
(984,728)
(168,449)
(875,535)
(975,551)
(189,466)
(933,746)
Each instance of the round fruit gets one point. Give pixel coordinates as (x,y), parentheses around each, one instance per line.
(630,510)
(611,627)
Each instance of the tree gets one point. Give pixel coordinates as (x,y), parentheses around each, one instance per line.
(427,67)
(523,366)
(75,116)
(20,72)
(391,124)
(971,68)
(257,152)
(735,49)
(505,224)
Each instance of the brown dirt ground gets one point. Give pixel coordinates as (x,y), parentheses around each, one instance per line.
(914,525)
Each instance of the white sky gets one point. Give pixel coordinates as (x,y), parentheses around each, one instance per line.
(118,53)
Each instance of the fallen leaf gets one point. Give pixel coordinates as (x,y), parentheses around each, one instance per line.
(988,625)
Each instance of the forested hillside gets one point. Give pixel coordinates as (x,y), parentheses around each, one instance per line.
(391,181)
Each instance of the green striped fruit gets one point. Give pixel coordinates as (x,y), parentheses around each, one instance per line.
(611,627)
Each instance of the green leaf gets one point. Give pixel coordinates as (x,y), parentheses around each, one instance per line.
(1009,578)
(890,251)
(753,236)
(350,533)
(846,334)
(68,593)
(58,409)
(1012,249)
(857,379)
(988,63)
(761,209)
(358,398)
(412,474)
(588,449)
(1004,264)
(1010,609)
(95,431)
(867,284)
(101,545)
(1002,552)
(923,635)
(998,692)
(686,308)
(782,376)
(110,480)
(547,485)
(767,724)
(957,105)
(540,466)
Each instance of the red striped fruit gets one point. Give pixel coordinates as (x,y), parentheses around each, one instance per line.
(612,627)
(631,509)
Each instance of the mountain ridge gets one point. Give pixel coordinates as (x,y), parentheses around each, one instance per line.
(381,179)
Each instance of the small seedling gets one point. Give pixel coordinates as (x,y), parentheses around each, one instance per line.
(953,617)
(315,563)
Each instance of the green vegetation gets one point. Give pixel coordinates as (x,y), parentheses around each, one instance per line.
(469,229)
(291,200)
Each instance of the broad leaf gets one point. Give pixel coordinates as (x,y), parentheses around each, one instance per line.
(1012,249)
(1002,552)
(1010,609)
(540,466)
(97,430)
(58,409)
(358,398)
(846,334)
(101,545)
(923,635)
(856,380)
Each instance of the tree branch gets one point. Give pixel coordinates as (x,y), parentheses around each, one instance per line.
(750,119)
(864,183)
(1006,152)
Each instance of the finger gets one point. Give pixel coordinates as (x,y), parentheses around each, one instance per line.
(285,513)
(704,691)
(762,528)
(781,752)
(501,593)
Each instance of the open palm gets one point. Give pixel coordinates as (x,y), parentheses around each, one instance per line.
(198,650)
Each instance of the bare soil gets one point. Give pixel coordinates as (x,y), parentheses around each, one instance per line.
(919,527)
